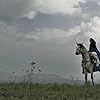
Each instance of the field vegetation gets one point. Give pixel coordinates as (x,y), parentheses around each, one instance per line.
(25,91)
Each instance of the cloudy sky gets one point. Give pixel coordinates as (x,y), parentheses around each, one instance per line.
(46,31)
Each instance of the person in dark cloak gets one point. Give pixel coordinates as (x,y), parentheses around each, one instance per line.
(93,47)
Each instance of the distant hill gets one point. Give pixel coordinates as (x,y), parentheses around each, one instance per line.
(38,78)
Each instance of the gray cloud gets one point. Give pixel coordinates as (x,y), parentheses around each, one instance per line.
(15,8)
(48,21)
(49,35)
(12,9)
(61,6)
(90,9)
(30,8)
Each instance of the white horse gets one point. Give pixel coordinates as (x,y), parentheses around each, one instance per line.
(86,63)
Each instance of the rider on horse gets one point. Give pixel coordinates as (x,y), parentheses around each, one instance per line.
(94,53)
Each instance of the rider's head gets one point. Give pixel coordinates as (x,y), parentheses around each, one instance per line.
(92,40)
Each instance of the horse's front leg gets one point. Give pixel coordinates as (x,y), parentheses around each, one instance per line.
(92,78)
(91,71)
(86,78)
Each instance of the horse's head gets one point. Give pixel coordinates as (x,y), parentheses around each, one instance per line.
(79,48)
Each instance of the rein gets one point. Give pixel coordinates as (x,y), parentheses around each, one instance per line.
(86,52)
(85,61)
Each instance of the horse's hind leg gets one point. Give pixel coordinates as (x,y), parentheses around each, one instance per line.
(92,78)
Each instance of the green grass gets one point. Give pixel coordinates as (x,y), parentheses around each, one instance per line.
(49,92)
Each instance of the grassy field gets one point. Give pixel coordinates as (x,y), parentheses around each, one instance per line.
(49,92)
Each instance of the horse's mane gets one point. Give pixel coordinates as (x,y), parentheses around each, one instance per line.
(81,45)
